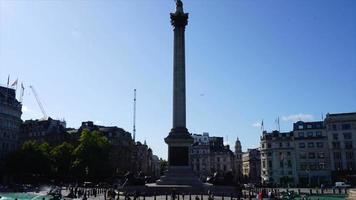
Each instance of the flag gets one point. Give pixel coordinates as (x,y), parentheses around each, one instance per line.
(262,125)
(8,81)
(14,83)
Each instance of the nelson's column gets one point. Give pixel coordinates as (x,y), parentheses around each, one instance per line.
(179,140)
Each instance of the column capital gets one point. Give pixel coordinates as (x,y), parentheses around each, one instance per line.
(179,19)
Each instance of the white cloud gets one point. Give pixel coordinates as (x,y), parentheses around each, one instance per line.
(257,124)
(298,117)
(98,122)
(25,109)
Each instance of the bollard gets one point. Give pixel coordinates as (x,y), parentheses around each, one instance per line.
(231,198)
(322,191)
(166,196)
(190,196)
(222,197)
(154,196)
(345,190)
(339,190)
(333,190)
(178,196)
(311,191)
(299,191)
(201,196)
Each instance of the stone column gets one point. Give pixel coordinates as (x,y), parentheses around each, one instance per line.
(179,139)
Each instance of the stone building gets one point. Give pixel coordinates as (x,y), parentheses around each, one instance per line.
(341,132)
(10,121)
(209,155)
(238,161)
(43,130)
(143,158)
(251,166)
(311,153)
(123,147)
(278,163)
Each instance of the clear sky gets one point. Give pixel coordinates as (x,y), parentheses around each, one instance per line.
(246,60)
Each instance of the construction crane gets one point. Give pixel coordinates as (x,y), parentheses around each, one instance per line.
(134,117)
(39,102)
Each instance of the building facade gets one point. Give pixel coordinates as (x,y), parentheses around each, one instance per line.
(311,153)
(278,163)
(10,121)
(341,131)
(251,166)
(43,130)
(209,155)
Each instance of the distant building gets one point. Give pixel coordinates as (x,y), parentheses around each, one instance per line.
(143,158)
(278,163)
(10,121)
(238,161)
(251,166)
(201,139)
(311,153)
(156,167)
(209,155)
(341,132)
(43,130)
(123,147)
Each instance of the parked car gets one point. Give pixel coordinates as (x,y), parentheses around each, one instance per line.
(341,185)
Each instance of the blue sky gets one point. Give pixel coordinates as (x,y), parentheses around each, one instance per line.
(246,60)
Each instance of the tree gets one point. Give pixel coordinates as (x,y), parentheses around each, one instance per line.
(92,156)
(31,163)
(62,160)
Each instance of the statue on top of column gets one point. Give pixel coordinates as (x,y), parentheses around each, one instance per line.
(179,6)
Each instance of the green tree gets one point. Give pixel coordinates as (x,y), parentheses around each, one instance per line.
(92,156)
(62,161)
(31,163)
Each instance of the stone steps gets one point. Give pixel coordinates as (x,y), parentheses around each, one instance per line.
(352,194)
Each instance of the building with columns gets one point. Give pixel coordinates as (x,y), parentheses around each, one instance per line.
(10,122)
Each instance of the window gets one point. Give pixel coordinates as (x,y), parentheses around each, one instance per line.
(310,144)
(348,144)
(311,155)
(281,164)
(288,144)
(321,155)
(346,126)
(263,146)
(269,145)
(301,134)
(318,133)
(300,127)
(280,144)
(309,126)
(349,155)
(337,155)
(270,164)
(289,163)
(334,127)
(303,155)
(263,164)
(335,136)
(301,145)
(347,136)
(336,145)
(288,153)
(310,134)
(320,144)
(269,154)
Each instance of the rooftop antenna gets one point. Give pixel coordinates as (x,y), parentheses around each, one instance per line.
(134,117)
